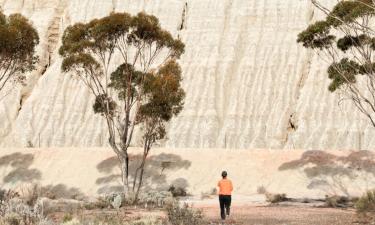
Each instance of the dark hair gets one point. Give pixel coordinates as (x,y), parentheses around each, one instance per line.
(224,174)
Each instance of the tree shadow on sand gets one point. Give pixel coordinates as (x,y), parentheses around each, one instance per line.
(331,173)
(61,191)
(154,177)
(17,168)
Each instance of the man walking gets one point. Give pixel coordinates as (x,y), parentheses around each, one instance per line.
(225,195)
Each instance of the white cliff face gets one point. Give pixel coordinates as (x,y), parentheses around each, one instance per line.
(248,83)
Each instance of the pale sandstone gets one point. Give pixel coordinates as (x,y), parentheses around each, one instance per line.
(245,77)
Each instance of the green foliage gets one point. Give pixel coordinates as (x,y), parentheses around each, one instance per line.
(316,36)
(143,86)
(349,11)
(88,47)
(104,105)
(125,80)
(349,41)
(350,19)
(81,61)
(147,93)
(342,73)
(164,93)
(116,31)
(18,40)
(366,203)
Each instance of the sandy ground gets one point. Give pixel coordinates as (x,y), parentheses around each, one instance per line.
(282,215)
(241,215)
(297,173)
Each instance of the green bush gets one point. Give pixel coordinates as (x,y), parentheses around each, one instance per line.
(184,215)
(366,203)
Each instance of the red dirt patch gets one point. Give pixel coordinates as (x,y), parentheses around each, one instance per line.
(282,215)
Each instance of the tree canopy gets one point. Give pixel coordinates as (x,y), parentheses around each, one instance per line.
(346,39)
(18,40)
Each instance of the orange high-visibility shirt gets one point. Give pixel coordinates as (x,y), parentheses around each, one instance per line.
(225,187)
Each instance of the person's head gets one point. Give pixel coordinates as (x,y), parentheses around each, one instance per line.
(224,174)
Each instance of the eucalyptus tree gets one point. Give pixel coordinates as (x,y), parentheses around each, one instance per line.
(18,40)
(141,88)
(346,40)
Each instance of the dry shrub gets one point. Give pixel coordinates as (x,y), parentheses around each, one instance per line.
(13,219)
(155,199)
(100,203)
(275,198)
(262,190)
(184,215)
(366,204)
(15,211)
(67,217)
(272,198)
(29,193)
(110,219)
(336,201)
(46,221)
(177,191)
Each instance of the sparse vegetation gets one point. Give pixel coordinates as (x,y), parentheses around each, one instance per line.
(184,215)
(67,217)
(177,191)
(276,198)
(270,197)
(336,201)
(366,204)
(17,211)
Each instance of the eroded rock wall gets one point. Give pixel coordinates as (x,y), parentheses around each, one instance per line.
(248,83)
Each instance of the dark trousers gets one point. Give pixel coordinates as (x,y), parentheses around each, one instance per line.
(225,201)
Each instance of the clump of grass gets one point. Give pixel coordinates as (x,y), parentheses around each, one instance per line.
(67,218)
(366,203)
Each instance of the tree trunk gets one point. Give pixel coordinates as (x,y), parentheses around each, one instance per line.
(124,173)
(142,168)
(140,182)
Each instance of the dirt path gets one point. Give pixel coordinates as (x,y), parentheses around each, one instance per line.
(281,215)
